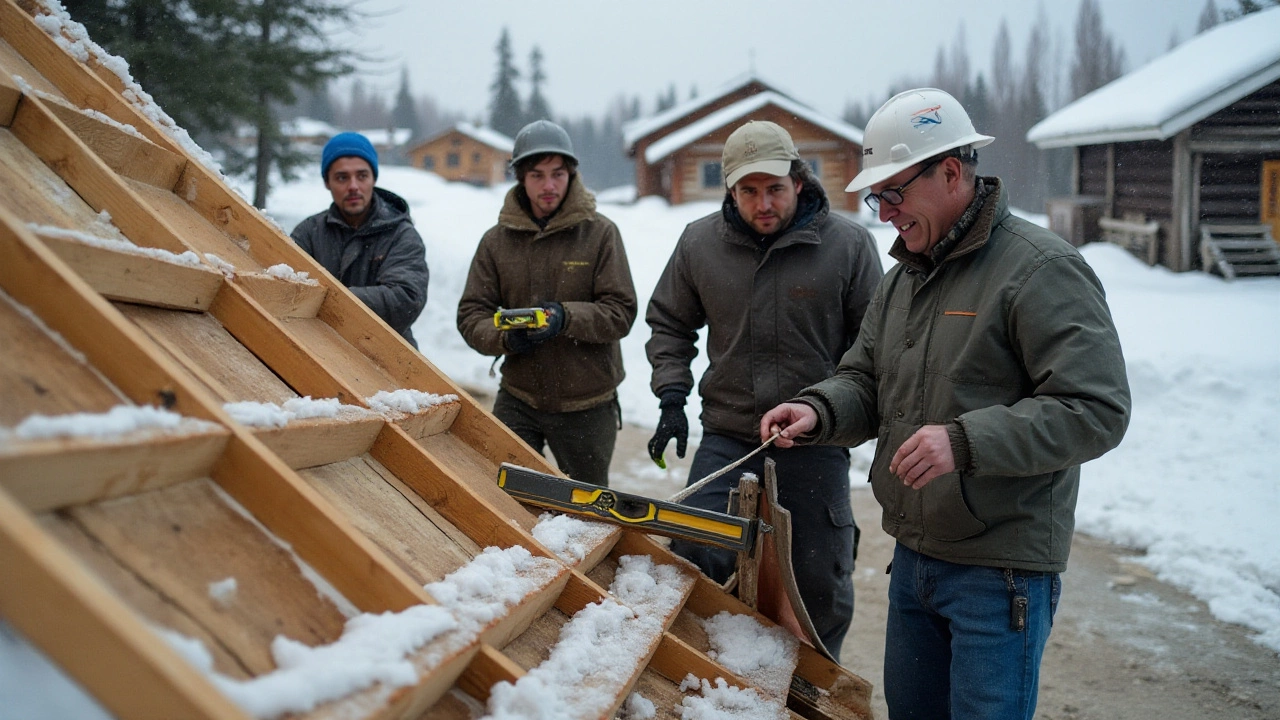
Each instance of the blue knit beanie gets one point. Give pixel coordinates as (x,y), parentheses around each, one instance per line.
(348,144)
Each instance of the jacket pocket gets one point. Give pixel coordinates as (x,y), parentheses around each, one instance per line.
(946,515)
(841,515)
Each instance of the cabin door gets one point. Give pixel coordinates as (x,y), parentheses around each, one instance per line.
(1271,196)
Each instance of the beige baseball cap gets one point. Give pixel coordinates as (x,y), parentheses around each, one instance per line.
(759,146)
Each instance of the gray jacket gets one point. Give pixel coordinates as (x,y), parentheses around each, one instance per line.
(778,317)
(383,262)
(1009,336)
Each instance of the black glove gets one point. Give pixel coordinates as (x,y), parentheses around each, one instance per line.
(673,424)
(517,341)
(555,323)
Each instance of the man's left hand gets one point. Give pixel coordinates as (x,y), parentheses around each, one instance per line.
(923,457)
(555,323)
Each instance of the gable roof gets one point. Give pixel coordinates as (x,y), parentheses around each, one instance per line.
(485,135)
(634,130)
(1176,90)
(724,116)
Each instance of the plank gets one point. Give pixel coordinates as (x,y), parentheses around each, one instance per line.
(455,705)
(357,487)
(44,198)
(10,95)
(51,474)
(346,363)
(80,624)
(675,658)
(180,539)
(195,231)
(320,441)
(283,298)
(532,647)
(430,421)
(489,668)
(204,347)
(124,276)
(38,375)
(129,155)
(663,693)
(13,63)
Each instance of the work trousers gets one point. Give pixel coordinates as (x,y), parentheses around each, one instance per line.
(582,441)
(813,484)
(956,644)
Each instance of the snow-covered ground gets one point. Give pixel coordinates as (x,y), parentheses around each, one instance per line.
(1196,482)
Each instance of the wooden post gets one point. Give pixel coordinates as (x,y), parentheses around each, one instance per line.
(749,563)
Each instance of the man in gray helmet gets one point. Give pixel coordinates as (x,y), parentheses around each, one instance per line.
(988,369)
(552,251)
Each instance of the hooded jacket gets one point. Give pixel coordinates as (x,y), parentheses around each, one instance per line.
(1010,337)
(577,260)
(778,314)
(383,262)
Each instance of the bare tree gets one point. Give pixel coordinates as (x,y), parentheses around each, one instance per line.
(1098,58)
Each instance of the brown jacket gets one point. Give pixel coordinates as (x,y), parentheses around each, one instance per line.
(778,318)
(578,260)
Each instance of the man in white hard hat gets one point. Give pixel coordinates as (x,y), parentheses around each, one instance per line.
(781,283)
(987,369)
(552,250)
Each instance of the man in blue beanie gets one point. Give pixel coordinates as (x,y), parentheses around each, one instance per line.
(366,238)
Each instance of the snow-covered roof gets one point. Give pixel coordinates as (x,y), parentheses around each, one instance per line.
(486,135)
(636,129)
(724,116)
(307,127)
(1174,91)
(388,138)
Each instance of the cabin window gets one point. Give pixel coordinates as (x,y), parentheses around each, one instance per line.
(475,158)
(712,177)
(452,160)
(428,162)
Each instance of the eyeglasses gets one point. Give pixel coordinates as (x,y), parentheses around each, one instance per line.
(893,196)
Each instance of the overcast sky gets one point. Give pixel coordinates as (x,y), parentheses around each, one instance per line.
(823,52)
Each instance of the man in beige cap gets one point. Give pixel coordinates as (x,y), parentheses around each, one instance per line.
(781,283)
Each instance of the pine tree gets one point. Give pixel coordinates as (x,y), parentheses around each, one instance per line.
(538,108)
(1247,7)
(505,113)
(319,105)
(405,113)
(1209,17)
(1098,58)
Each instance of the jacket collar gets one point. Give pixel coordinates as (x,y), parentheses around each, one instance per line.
(386,208)
(812,207)
(991,212)
(579,205)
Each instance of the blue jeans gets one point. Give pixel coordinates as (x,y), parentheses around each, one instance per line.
(813,483)
(950,650)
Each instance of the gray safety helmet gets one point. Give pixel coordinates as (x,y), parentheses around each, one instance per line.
(542,136)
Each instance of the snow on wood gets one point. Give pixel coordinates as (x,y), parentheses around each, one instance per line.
(221,265)
(188,258)
(723,701)
(638,707)
(496,580)
(72,37)
(116,423)
(766,656)
(570,538)
(599,650)
(223,591)
(284,272)
(269,414)
(406,401)
(373,649)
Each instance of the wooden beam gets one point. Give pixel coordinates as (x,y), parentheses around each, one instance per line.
(675,658)
(430,421)
(10,95)
(283,298)
(70,615)
(130,155)
(135,278)
(52,474)
(50,139)
(1178,255)
(488,668)
(310,443)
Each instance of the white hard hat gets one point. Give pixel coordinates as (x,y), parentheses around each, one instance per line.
(913,126)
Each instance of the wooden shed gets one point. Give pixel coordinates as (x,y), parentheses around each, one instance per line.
(677,153)
(183,545)
(465,153)
(1178,149)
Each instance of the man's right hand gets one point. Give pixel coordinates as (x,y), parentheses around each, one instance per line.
(672,424)
(789,421)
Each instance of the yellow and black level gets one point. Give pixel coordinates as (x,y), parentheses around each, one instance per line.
(520,319)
